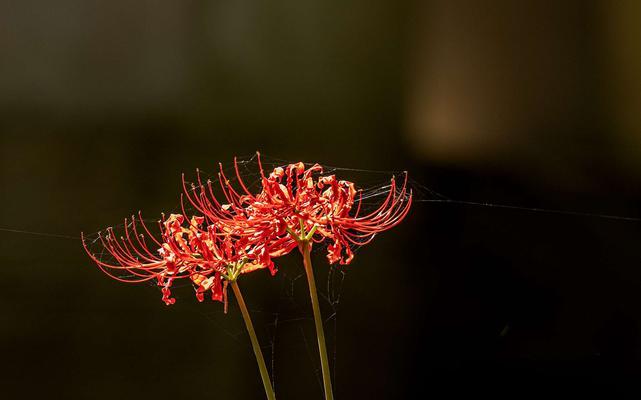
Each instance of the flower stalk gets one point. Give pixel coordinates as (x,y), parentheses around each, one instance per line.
(269,391)
(305,246)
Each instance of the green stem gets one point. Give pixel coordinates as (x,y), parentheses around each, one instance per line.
(320,333)
(269,391)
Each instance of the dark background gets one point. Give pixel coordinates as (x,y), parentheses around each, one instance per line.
(104,103)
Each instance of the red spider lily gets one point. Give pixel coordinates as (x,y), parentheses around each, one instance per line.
(205,256)
(298,203)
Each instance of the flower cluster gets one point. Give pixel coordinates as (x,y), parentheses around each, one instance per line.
(298,203)
(239,231)
(192,252)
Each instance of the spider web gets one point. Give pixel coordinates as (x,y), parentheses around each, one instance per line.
(291,312)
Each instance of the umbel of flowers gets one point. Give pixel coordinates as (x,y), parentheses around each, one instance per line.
(297,202)
(240,231)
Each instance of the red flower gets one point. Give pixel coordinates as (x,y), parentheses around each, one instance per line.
(205,256)
(298,203)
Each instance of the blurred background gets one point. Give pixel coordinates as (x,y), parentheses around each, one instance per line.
(536,104)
